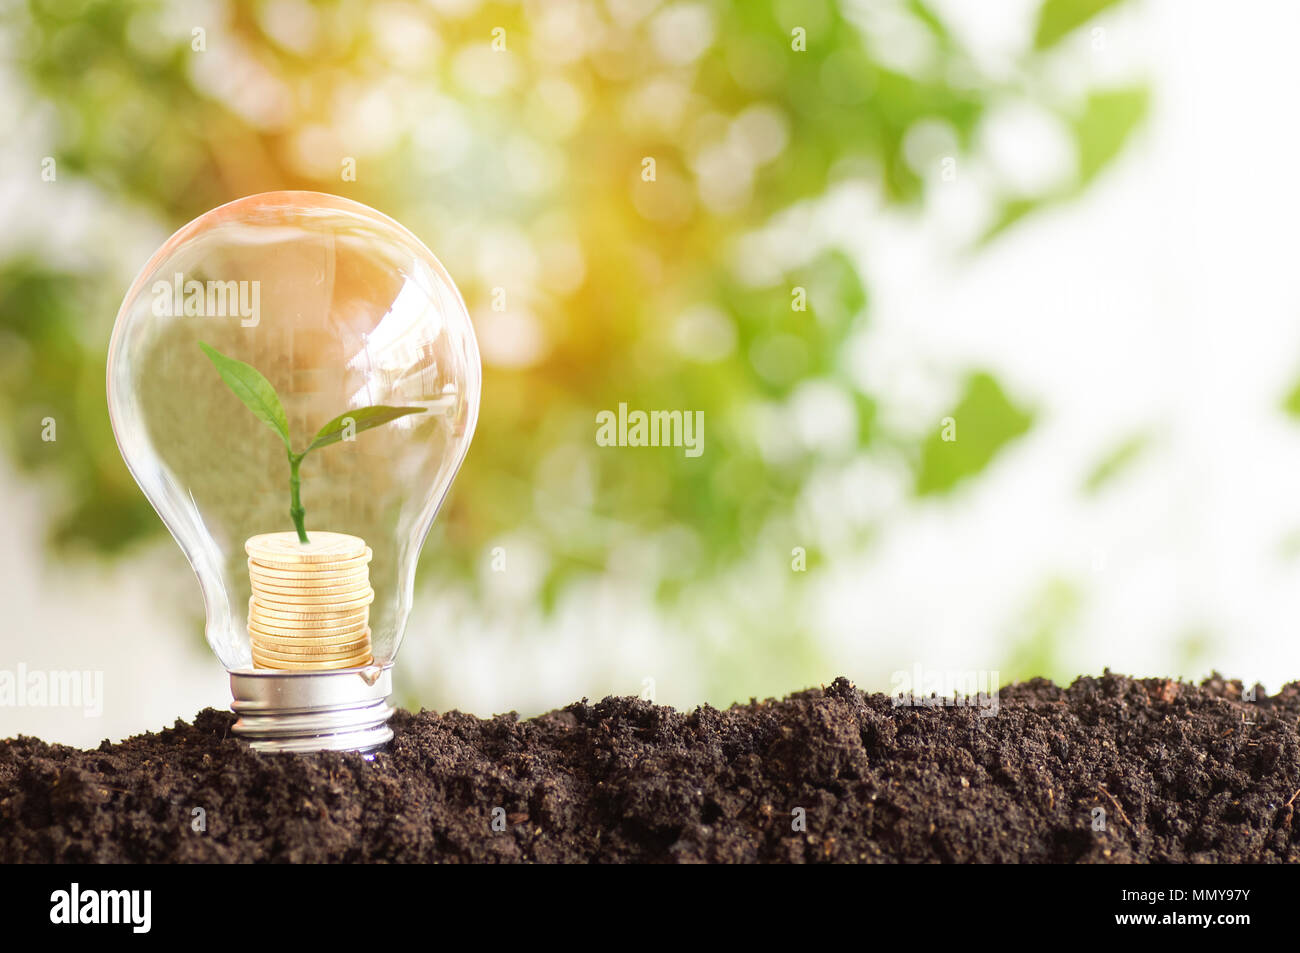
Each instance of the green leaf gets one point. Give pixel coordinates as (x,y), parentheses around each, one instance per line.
(1107,121)
(1013,210)
(927,16)
(1045,631)
(835,289)
(1115,462)
(253,389)
(1100,132)
(363,418)
(1058,18)
(1292,403)
(981,424)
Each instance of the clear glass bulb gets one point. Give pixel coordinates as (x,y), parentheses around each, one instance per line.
(339,308)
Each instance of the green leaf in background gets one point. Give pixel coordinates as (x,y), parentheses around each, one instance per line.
(1100,132)
(932,21)
(1292,403)
(1104,127)
(1013,210)
(1059,18)
(363,418)
(985,421)
(1115,462)
(1039,648)
(835,289)
(253,389)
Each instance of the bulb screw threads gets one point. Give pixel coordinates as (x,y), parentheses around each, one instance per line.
(344,710)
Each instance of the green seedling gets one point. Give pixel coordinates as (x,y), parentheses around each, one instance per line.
(260,397)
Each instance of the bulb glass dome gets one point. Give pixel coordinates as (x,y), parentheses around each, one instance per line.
(339,308)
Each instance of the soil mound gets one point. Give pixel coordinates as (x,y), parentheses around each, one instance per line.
(1111,769)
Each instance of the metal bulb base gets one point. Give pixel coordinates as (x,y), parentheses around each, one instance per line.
(342,710)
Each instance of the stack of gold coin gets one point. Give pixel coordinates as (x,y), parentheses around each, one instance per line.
(310,608)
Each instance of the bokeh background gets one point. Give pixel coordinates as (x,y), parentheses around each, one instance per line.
(1064,225)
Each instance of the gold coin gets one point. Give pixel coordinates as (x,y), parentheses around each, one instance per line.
(353,600)
(281,658)
(336,567)
(350,628)
(308,653)
(328,615)
(274,666)
(310,640)
(340,565)
(331,665)
(292,619)
(290,631)
(313,595)
(321,547)
(258,632)
(343,652)
(295,608)
(262,628)
(355,662)
(276,655)
(308,580)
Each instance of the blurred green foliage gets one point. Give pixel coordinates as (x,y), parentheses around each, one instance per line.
(543,144)
(1291,404)
(983,421)
(1104,126)
(53,370)
(1099,130)
(1038,648)
(1057,19)
(1116,461)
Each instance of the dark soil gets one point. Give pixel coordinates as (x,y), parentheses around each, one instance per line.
(1183,773)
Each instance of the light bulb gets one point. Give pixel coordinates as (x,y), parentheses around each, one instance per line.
(338,310)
